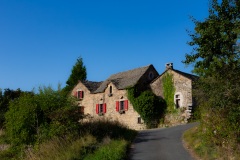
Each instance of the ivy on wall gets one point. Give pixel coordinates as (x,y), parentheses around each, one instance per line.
(168,92)
(150,107)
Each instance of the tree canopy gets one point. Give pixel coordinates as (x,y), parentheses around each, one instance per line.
(78,73)
(33,118)
(216,40)
(216,59)
(6,97)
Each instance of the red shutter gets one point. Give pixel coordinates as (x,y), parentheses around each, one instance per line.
(97,106)
(104,108)
(117,106)
(126,105)
(82,95)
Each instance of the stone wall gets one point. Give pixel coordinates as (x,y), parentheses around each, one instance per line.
(129,117)
(183,88)
(183,92)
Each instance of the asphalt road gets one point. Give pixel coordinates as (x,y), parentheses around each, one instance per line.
(161,144)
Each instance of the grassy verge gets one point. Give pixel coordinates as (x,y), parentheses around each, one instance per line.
(114,150)
(205,150)
(61,149)
(96,140)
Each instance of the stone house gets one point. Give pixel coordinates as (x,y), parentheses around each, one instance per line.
(183,84)
(108,99)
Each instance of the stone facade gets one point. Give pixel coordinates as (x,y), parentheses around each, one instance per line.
(183,84)
(112,93)
(108,99)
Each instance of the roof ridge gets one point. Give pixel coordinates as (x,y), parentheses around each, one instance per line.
(129,70)
(124,79)
(184,73)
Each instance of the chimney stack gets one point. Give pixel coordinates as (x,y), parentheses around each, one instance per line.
(169,66)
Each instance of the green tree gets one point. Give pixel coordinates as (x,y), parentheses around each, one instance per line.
(78,73)
(5,98)
(215,57)
(37,117)
(20,120)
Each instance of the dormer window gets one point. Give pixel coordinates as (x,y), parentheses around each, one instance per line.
(79,94)
(110,91)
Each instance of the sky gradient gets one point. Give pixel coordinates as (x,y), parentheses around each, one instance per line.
(40,40)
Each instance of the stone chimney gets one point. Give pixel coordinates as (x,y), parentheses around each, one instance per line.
(169,66)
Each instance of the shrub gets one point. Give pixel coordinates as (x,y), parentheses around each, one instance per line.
(106,128)
(150,107)
(35,118)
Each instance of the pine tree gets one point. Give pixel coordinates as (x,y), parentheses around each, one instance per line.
(78,73)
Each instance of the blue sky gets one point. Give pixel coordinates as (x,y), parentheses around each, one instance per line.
(40,40)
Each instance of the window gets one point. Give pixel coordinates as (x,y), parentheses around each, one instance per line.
(150,76)
(177,103)
(79,94)
(122,106)
(101,108)
(177,100)
(139,120)
(110,91)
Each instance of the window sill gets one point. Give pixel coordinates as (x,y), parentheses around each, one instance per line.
(101,114)
(122,112)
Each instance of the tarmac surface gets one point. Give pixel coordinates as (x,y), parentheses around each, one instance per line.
(161,144)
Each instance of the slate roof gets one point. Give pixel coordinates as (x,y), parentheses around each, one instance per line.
(125,79)
(187,75)
(91,86)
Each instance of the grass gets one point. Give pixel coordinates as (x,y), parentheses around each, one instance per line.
(61,149)
(96,140)
(205,150)
(195,141)
(114,150)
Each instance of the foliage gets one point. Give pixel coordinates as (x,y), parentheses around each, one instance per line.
(150,107)
(5,97)
(214,40)
(114,150)
(216,60)
(194,139)
(78,73)
(62,149)
(96,137)
(20,120)
(169,91)
(35,118)
(106,128)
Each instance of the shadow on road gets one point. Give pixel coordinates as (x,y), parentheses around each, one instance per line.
(160,144)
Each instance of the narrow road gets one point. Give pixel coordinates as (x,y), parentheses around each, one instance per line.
(161,144)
